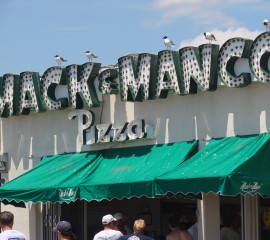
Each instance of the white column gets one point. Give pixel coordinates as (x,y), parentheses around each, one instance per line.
(250,218)
(209,217)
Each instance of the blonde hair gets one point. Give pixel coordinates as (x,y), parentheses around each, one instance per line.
(139,226)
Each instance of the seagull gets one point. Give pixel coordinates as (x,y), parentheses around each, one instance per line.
(266,24)
(168,42)
(59,60)
(209,36)
(90,55)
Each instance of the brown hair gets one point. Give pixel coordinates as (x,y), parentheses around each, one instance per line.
(6,218)
(139,226)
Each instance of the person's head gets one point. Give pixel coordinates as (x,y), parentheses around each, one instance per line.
(6,219)
(174,221)
(64,230)
(139,226)
(108,221)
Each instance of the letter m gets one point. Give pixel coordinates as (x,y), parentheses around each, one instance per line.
(136,76)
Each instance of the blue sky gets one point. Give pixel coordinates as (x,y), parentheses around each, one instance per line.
(33,31)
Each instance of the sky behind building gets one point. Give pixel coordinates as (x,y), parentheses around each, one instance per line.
(33,31)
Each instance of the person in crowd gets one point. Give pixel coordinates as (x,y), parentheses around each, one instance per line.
(139,228)
(109,232)
(193,230)
(183,222)
(6,224)
(230,229)
(176,232)
(121,223)
(64,231)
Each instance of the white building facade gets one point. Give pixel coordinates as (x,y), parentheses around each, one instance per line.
(195,93)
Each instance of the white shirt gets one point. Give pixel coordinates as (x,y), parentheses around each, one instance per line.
(12,235)
(193,230)
(109,234)
(228,234)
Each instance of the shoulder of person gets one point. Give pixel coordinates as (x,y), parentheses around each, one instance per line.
(98,235)
(119,233)
(10,234)
(169,237)
(185,234)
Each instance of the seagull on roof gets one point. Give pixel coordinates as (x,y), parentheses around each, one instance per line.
(90,55)
(209,36)
(59,60)
(168,42)
(266,24)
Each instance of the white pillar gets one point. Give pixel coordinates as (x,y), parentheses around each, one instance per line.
(250,218)
(209,217)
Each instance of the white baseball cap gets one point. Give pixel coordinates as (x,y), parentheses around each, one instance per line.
(108,219)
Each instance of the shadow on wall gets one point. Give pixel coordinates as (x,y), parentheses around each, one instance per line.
(224,112)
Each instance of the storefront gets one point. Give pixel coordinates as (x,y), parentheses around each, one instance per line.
(172,132)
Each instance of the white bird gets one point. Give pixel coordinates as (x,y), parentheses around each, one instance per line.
(168,42)
(266,24)
(209,36)
(59,60)
(90,55)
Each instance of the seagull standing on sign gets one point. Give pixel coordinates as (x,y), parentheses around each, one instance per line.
(266,24)
(90,55)
(209,36)
(59,60)
(168,42)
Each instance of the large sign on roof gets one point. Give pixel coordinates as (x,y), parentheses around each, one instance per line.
(138,77)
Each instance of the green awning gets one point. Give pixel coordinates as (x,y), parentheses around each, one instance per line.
(226,166)
(96,175)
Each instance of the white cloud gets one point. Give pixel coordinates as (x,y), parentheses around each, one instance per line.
(221,36)
(170,3)
(204,12)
